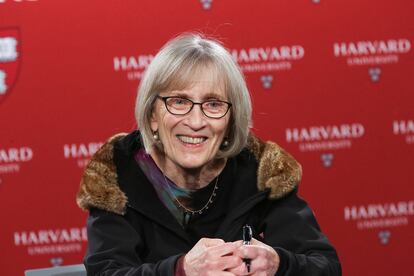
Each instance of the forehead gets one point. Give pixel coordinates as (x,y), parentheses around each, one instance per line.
(205,81)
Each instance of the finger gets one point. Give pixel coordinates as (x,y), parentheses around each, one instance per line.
(259,264)
(260,244)
(210,242)
(239,242)
(223,249)
(218,273)
(269,264)
(229,262)
(223,263)
(248,251)
(266,250)
(260,273)
(256,242)
(239,270)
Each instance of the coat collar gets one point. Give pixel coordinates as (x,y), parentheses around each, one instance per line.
(277,171)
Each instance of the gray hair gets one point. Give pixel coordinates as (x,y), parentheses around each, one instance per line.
(173,69)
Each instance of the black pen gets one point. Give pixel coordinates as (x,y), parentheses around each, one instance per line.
(247,238)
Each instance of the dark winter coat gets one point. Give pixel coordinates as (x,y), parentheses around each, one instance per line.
(130,232)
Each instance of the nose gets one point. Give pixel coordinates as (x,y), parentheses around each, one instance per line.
(195,118)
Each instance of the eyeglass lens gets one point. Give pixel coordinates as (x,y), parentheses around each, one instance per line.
(211,108)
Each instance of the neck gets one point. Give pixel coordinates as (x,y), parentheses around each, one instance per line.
(194,178)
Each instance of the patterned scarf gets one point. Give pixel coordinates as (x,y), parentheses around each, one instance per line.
(167,190)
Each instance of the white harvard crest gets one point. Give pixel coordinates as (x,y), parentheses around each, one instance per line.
(9,60)
(3,85)
(206,4)
(8,50)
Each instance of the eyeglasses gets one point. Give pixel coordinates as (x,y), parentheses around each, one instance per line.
(211,108)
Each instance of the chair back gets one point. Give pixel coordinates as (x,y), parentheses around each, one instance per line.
(67,270)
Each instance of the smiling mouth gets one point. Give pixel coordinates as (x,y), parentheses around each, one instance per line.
(191,140)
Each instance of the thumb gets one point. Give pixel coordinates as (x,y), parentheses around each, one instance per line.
(256,242)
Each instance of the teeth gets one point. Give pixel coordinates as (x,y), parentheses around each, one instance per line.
(191,140)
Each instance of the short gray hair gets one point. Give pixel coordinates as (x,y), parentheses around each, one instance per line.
(172,69)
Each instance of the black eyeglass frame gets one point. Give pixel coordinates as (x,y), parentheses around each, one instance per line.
(165,99)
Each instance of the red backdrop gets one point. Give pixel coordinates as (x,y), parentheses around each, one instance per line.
(331,81)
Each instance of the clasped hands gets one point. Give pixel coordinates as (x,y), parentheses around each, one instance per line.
(216,257)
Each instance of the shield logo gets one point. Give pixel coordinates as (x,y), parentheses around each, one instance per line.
(374,73)
(206,4)
(384,237)
(10,57)
(266,81)
(327,159)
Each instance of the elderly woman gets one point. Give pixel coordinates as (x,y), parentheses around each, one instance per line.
(172,197)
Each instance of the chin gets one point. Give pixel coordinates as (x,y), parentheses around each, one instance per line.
(192,163)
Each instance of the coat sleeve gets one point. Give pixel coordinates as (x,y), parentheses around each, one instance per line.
(291,229)
(115,247)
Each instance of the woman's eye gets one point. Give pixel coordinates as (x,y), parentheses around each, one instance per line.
(214,104)
(178,101)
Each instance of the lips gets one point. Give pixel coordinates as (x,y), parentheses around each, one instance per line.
(191,140)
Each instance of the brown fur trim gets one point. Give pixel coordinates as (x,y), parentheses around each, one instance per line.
(277,169)
(99,188)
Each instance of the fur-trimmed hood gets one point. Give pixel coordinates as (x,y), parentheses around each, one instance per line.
(277,170)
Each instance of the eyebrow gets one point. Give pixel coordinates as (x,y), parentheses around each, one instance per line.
(210,95)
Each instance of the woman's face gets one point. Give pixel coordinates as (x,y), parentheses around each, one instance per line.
(192,140)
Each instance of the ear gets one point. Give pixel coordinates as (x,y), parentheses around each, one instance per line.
(229,127)
(154,121)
